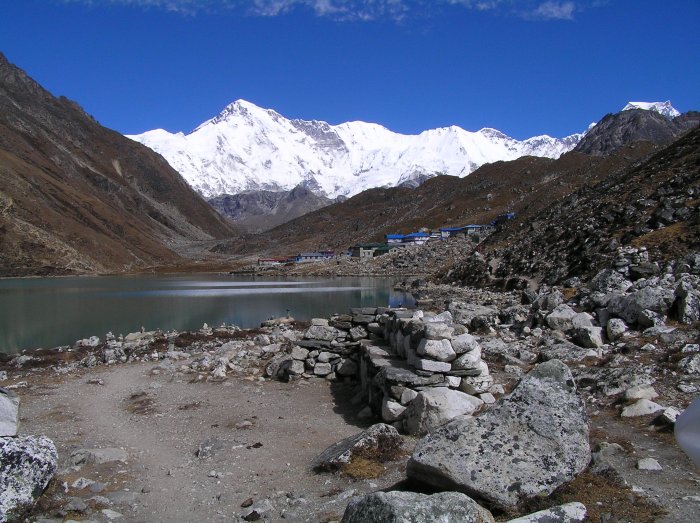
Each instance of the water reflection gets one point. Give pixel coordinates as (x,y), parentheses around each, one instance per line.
(48,312)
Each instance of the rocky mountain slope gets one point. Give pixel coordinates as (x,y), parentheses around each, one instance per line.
(659,125)
(652,205)
(76,197)
(248,148)
(259,211)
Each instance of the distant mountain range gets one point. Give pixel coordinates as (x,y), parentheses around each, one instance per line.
(247,148)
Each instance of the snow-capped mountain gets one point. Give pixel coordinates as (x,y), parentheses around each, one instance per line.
(663,108)
(246,147)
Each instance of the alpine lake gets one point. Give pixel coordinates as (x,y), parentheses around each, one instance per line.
(49,312)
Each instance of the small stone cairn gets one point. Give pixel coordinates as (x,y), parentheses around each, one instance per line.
(397,355)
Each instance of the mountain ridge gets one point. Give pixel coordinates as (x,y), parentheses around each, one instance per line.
(246,147)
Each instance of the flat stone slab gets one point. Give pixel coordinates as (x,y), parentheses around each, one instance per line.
(373,440)
(567,513)
(399,373)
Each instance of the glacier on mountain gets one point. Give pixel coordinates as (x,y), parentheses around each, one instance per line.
(248,148)
(663,108)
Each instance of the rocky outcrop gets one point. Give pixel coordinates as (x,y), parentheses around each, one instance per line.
(27,464)
(533,441)
(410,507)
(568,513)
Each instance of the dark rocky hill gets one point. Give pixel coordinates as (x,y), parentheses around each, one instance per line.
(76,197)
(653,205)
(619,129)
(259,211)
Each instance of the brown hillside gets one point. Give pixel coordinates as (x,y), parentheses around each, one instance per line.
(524,186)
(76,197)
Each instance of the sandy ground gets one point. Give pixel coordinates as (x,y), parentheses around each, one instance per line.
(256,440)
(161,421)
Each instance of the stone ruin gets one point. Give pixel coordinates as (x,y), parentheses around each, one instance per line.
(417,370)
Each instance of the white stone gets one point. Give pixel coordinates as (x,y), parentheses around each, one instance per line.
(648,464)
(561,318)
(487,398)
(645,392)
(9,413)
(468,360)
(432,365)
(391,410)
(436,406)
(319,322)
(408,395)
(641,407)
(438,331)
(615,329)
(464,343)
(440,350)
(453,381)
(299,353)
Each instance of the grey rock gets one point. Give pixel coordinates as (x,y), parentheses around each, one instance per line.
(411,507)
(648,464)
(299,353)
(322,369)
(565,351)
(98,456)
(615,329)
(272,369)
(588,337)
(9,413)
(468,360)
(568,513)
(436,406)
(464,313)
(358,333)
(548,301)
(379,439)
(437,349)
(609,280)
(432,365)
(464,343)
(391,410)
(321,333)
(438,331)
(561,318)
(690,364)
(408,395)
(687,305)
(476,384)
(28,464)
(528,444)
(630,307)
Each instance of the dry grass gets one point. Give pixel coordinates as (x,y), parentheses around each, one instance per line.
(363,468)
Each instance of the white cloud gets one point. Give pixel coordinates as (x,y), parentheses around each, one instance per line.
(551,10)
(362,10)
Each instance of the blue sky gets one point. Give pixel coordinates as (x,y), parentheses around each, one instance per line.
(524,67)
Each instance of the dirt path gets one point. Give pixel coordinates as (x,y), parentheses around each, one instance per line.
(162,421)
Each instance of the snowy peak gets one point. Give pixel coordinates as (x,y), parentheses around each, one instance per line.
(246,147)
(663,108)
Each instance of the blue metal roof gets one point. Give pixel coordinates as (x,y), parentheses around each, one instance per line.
(394,236)
(450,229)
(418,235)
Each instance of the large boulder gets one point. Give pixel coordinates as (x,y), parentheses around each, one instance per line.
(609,280)
(631,307)
(561,318)
(378,442)
(530,443)
(410,507)
(9,413)
(27,464)
(436,406)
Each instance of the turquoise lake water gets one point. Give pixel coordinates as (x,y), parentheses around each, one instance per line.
(48,312)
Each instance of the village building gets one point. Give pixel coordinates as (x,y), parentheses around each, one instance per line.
(416,238)
(369,250)
(271,262)
(394,239)
(304,257)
